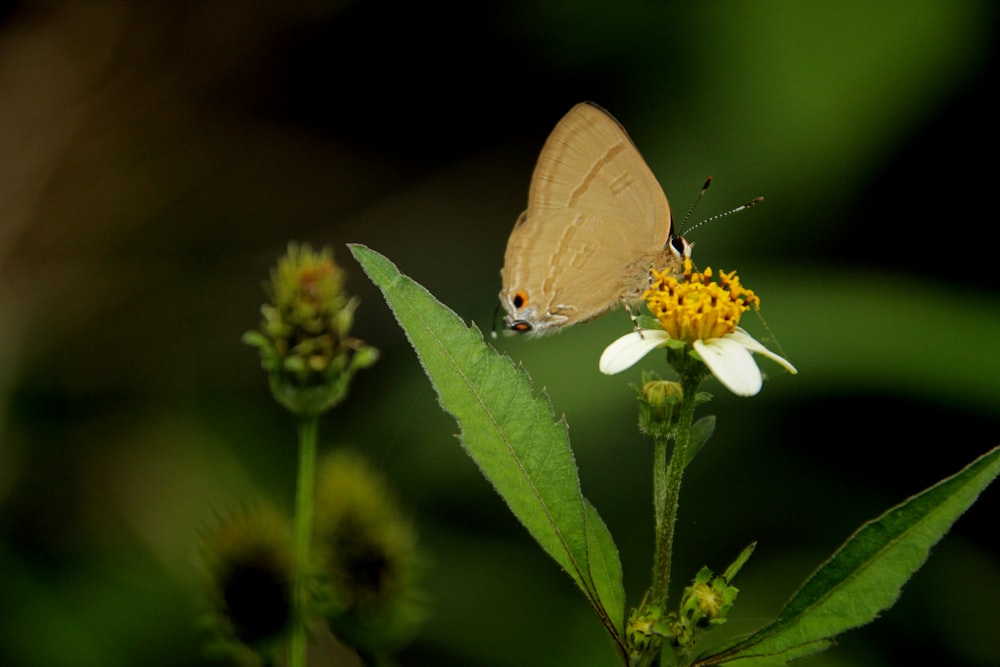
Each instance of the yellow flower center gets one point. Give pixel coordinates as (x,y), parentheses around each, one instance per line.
(698,307)
(709,602)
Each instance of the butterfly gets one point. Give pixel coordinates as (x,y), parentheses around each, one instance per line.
(597,222)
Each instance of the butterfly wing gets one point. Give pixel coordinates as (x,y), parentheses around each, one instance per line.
(575,277)
(590,163)
(596,219)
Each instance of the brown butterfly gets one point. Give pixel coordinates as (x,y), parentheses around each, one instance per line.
(597,222)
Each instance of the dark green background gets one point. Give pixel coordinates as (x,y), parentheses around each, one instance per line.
(155,158)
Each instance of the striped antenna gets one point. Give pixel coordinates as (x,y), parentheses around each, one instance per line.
(749,204)
(708,182)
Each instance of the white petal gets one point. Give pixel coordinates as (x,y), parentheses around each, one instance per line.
(630,348)
(747,341)
(731,363)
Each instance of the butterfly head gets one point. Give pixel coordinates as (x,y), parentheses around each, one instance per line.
(679,248)
(524,316)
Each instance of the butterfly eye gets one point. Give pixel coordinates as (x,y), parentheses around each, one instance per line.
(520,298)
(681,246)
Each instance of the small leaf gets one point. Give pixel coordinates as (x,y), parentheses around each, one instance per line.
(701,431)
(738,564)
(866,574)
(512,434)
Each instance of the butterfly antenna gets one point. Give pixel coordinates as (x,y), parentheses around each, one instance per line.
(749,204)
(708,182)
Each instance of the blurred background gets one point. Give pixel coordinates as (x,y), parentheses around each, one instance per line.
(156,158)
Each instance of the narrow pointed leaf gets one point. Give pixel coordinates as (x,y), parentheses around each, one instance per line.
(866,574)
(511,433)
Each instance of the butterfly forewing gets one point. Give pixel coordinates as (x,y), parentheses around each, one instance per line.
(590,163)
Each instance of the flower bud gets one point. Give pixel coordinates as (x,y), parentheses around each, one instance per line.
(366,555)
(645,629)
(304,339)
(705,604)
(249,563)
(659,405)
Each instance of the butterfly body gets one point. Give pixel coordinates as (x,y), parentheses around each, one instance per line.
(597,222)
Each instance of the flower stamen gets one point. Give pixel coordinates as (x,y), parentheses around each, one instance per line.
(698,307)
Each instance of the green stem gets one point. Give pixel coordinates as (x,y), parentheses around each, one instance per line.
(664,538)
(666,492)
(304,499)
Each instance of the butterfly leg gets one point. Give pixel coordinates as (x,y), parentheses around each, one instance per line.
(632,316)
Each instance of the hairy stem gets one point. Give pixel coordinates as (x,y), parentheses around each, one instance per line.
(304,499)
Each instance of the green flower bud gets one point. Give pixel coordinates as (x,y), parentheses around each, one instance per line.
(707,601)
(304,338)
(659,405)
(645,630)
(366,557)
(248,559)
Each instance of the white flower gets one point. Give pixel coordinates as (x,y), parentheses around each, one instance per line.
(700,313)
(729,357)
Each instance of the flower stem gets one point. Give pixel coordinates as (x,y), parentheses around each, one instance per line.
(304,499)
(666,491)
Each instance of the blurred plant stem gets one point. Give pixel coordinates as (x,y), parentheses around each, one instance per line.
(304,506)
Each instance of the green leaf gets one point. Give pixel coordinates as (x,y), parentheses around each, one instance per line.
(866,574)
(605,569)
(750,659)
(512,434)
(737,565)
(701,431)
